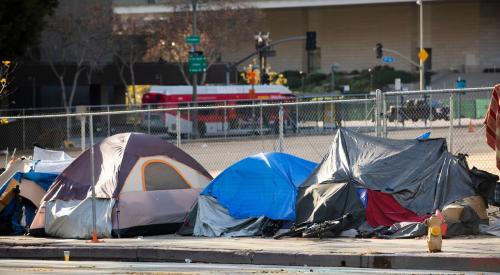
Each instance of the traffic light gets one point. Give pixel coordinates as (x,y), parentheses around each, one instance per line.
(310,41)
(261,41)
(379,50)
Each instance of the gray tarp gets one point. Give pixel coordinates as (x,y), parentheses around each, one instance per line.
(73,219)
(213,220)
(328,201)
(398,230)
(420,174)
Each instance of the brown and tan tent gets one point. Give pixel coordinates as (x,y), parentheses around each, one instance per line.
(144,185)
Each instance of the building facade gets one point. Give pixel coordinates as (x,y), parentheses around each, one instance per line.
(460,35)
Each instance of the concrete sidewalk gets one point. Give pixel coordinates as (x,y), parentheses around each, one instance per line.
(478,253)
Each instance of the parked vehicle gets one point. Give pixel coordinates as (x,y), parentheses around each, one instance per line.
(416,109)
(231,121)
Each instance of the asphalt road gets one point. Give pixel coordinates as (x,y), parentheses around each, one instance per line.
(87,267)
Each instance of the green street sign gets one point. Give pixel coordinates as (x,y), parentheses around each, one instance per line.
(197,63)
(193,40)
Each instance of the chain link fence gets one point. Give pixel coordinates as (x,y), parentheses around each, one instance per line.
(454,114)
(219,134)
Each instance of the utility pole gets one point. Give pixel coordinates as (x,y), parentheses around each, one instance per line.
(420,3)
(195,75)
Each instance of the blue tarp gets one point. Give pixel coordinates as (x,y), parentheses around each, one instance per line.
(44,180)
(261,185)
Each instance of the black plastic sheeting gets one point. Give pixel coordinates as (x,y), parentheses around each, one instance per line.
(421,174)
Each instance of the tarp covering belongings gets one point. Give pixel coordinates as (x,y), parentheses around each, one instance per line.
(249,194)
(406,180)
(143,186)
(23,187)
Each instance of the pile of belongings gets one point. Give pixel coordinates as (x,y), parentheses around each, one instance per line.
(143,186)
(23,184)
(255,196)
(387,188)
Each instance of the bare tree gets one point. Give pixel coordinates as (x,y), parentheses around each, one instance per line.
(128,49)
(74,36)
(222,24)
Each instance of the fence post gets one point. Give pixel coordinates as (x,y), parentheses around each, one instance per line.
(109,123)
(92,175)
(178,127)
(82,132)
(430,111)
(297,115)
(378,112)
(24,130)
(450,134)
(149,119)
(397,111)
(384,115)
(261,121)
(280,141)
(225,120)
(366,110)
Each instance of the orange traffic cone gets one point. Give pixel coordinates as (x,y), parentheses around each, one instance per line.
(471,128)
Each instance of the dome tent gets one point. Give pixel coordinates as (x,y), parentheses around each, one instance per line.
(144,185)
(247,194)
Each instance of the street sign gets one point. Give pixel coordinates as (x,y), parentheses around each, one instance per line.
(197,63)
(423,55)
(388,59)
(193,40)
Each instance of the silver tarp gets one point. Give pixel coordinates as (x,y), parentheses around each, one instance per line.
(213,220)
(73,219)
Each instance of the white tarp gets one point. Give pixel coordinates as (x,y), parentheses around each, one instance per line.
(73,219)
(44,154)
(52,167)
(213,220)
(49,161)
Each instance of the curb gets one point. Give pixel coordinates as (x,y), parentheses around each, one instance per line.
(157,254)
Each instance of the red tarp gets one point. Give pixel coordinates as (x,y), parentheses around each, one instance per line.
(492,122)
(383,209)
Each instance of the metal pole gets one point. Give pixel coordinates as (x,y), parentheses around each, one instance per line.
(421,4)
(378,107)
(281,129)
(109,124)
(225,120)
(261,122)
(397,111)
(384,116)
(92,175)
(450,134)
(228,71)
(366,110)
(82,133)
(431,117)
(332,116)
(24,130)
(195,75)
(333,78)
(297,116)
(459,109)
(149,119)
(178,127)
